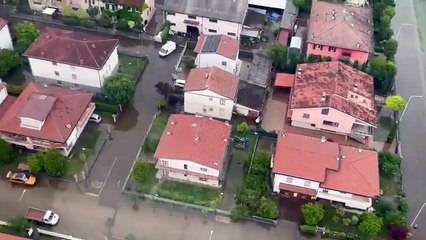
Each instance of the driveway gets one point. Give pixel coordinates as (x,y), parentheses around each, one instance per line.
(110,172)
(410,81)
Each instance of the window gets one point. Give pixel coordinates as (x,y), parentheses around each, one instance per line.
(232,34)
(364,101)
(331,49)
(56,73)
(212,31)
(325,111)
(306,115)
(55,63)
(329,123)
(223,63)
(59,82)
(222,101)
(211,109)
(74,76)
(318,46)
(203,169)
(352,96)
(185,166)
(356,96)
(289,180)
(165,163)
(204,108)
(307,183)
(204,179)
(212,20)
(192,17)
(313,125)
(210,99)
(76,85)
(172,24)
(171,13)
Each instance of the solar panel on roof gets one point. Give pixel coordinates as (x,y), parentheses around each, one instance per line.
(211,44)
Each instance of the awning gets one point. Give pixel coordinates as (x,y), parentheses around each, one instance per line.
(284,80)
(189,22)
(296,189)
(49,11)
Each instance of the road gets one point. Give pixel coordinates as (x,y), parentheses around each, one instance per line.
(410,81)
(82,216)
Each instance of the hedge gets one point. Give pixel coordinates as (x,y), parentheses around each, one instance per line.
(107,107)
(311,230)
(14,90)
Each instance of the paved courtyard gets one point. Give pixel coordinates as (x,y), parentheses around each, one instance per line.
(275,111)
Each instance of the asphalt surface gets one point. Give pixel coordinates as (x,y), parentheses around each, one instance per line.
(410,81)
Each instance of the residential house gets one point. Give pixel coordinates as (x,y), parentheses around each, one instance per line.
(334,97)
(275,4)
(250,100)
(41,5)
(217,51)
(195,17)
(210,92)
(4,236)
(46,117)
(288,22)
(254,22)
(146,8)
(312,168)
(194,149)
(73,59)
(327,23)
(5,37)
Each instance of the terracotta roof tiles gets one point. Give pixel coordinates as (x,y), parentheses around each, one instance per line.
(3,22)
(220,44)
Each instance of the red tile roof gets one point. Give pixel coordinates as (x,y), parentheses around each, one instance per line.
(214,79)
(5,105)
(284,80)
(72,47)
(338,82)
(3,22)
(356,172)
(329,20)
(4,236)
(198,139)
(222,45)
(132,3)
(66,111)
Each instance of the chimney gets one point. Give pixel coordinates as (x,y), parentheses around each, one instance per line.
(42,54)
(323,139)
(225,140)
(197,138)
(105,53)
(355,87)
(93,45)
(359,149)
(173,123)
(342,157)
(169,133)
(358,45)
(193,124)
(323,97)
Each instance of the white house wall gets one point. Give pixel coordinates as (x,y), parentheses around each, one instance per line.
(278,4)
(196,101)
(191,167)
(110,67)
(350,200)
(205,26)
(3,95)
(215,60)
(5,38)
(299,182)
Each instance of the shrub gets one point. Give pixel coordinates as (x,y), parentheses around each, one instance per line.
(340,212)
(163,104)
(383,207)
(371,225)
(311,230)
(123,25)
(82,14)
(6,152)
(105,20)
(313,213)
(399,233)
(267,209)
(14,90)
(395,218)
(389,164)
(165,35)
(243,129)
(143,172)
(71,21)
(354,220)
(239,212)
(88,23)
(403,204)
(92,11)
(336,219)
(347,221)
(188,62)
(107,107)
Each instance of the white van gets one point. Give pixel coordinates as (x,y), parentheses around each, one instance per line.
(167,48)
(180,83)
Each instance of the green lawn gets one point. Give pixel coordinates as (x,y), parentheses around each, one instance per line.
(131,65)
(334,221)
(389,186)
(154,135)
(189,193)
(148,171)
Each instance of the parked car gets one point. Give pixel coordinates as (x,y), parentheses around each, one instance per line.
(167,48)
(95,118)
(22,178)
(42,216)
(180,83)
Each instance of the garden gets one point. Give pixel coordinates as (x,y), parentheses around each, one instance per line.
(143,177)
(154,135)
(132,66)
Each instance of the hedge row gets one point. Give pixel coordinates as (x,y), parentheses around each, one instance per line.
(107,107)
(14,90)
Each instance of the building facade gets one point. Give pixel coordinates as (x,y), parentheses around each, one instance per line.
(5,37)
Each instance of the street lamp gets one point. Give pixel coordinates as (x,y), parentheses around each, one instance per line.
(85,161)
(211,235)
(408,103)
(401,27)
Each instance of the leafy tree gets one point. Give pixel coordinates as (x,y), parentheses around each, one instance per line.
(36,162)
(54,163)
(9,60)
(403,204)
(371,225)
(304,5)
(241,211)
(389,164)
(6,152)
(26,34)
(106,20)
(383,73)
(390,48)
(143,173)
(249,197)
(399,233)
(278,54)
(243,129)
(67,11)
(313,213)
(16,226)
(82,14)
(268,208)
(188,62)
(383,207)
(396,103)
(120,88)
(163,89)
(123,25)
(93,11)
(395,218)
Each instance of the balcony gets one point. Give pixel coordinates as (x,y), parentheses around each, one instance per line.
(349,200)
(361,130)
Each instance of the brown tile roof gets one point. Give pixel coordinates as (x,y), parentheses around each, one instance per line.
(214,79)
(342,26)
(132,3)
(4,106)
(72,47)
(3,22)
(337,81)
(284,80)
(4,236)
(66,111)
(357,172)
(198,139)
(220,44)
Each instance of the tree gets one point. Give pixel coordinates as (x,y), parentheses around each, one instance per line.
(313,213)
(267,209)
(239,212)
(396,103)
(383,73)
(16,226)
(9,60)
(304,5)
(82,14)
(399,233)
(6,152)
(389,164)
(188,62)
(395,218)
(390,48)
(67,11)
(106,19)
(26,34)
(278,54)
(36,162)
(243,129)
(163,89)
(371,225)
(120,88)
(143,173)
(93,11)
(54,163)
